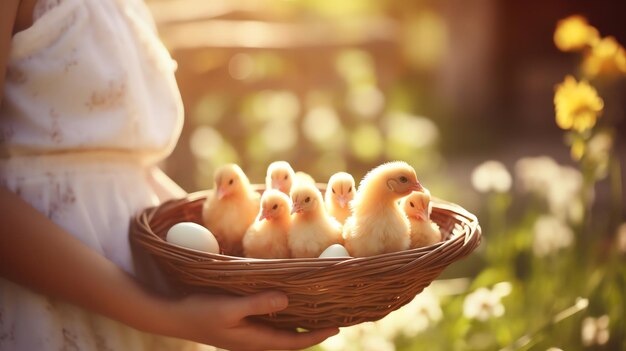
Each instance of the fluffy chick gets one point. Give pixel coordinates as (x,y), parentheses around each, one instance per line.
(312,229)
(339,193)
(280,176)
(378,225)
(303,177)
(230,208)
(267,237)
(424,232)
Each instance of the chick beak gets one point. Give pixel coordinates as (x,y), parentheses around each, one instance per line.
(417,187)
(296,209)
(221,192)
(264,215)
(421,215)
(343,201)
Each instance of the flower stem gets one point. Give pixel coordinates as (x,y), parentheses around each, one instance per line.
(530,339)
(616,189)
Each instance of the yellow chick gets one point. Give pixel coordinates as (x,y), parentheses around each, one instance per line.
(312,229)
(267,237)
(378,225)
(424,232)
(339,193)
(280,176)
(303,177)
(230,208)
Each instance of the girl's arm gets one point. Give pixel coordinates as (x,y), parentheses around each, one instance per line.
(38,254)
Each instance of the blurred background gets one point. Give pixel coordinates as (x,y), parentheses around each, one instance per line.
(445,86)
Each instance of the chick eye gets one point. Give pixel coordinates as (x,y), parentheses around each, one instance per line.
(411,203)
(333,190)
(350,189)
(308,199)
(230,182)
(286,176)
(403,179)
(274,207)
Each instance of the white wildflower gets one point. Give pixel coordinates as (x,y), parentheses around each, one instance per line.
(413,318)
(485,303)
(361,337)
(503,289)
(595,331)
(559,185)
(621,238)
(376,342)
(551,235)
(563,195)
(491,176)
(535,174)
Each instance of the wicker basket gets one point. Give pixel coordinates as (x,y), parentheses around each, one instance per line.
(328,292)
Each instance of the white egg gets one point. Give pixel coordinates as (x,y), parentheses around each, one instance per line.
(335,250)
(193,236)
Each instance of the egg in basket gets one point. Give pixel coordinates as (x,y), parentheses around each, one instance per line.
(343,256)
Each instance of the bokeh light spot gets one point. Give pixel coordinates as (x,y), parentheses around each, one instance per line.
(426,39)
(280,105)
(366,102)
(205,142)
(366,142)
(414,131)
(241,66)
(279,136)
(321,124)
(209,109)
(356,67)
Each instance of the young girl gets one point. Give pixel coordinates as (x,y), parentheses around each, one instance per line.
(89,104)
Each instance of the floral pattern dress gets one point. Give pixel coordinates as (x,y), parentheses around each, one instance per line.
(90,106)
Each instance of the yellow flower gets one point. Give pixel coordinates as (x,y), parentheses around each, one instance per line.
(607,57)
(577,105)
(574,33)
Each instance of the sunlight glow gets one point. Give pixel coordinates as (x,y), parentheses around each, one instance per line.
(366,102)
(205,142)
(367,142)
(279,135)
(321,124)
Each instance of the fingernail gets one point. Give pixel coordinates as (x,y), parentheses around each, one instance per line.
(279,302)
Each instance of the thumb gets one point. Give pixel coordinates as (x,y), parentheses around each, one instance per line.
(263,303)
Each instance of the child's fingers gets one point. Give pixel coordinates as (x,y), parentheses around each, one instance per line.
(263,303)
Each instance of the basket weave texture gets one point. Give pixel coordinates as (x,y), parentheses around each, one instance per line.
(323,292)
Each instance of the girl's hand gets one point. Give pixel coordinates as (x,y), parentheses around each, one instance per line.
(222,321)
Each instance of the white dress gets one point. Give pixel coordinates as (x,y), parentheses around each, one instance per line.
(90,105)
